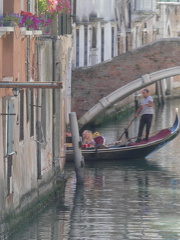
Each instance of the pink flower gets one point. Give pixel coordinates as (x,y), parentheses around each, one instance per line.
(59,6)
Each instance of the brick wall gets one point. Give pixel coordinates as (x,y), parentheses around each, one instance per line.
(91,84)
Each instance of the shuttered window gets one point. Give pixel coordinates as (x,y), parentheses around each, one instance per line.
(10,126)
(64,24)
(77,47)
(112,40)
(85,46)
(9,174)
(32,113)
(21,116)
(102,44)
(43,115)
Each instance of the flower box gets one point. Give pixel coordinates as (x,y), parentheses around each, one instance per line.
(26,19)
(26,32)
(37,32)
(5,30)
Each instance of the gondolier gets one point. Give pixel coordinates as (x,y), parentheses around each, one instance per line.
(146,110)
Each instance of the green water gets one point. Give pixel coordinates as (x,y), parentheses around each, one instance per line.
(119,200)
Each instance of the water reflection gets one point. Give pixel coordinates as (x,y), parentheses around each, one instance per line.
(119,200)
(125,200)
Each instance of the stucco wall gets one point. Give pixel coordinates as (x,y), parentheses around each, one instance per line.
(95,16)
(26,185)
(144,5)
(100,9)
(168,23)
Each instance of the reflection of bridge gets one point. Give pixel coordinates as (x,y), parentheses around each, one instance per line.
(97,88)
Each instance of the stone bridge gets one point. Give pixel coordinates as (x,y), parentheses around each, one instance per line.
(96,88)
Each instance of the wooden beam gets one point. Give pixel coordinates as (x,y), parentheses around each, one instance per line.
(49,85)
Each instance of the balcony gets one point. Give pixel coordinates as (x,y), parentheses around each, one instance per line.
(32,33)
(24,32)
(5,30)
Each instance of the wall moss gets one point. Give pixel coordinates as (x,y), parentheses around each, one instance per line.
(13,221)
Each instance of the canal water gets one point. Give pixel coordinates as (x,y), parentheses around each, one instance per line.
(120,200)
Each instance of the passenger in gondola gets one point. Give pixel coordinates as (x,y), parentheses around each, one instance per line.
(99,140)
(146,111)
(68,139)
(87,139)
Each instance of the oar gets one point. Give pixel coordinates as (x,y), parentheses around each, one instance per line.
(125,130)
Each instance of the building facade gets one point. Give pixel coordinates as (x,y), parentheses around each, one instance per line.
(94,32)
(32,124)
(151,20)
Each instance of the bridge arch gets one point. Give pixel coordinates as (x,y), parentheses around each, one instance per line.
(125,91)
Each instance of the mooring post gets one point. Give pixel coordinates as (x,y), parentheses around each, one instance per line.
(158,93)
(78,158)
(162,91)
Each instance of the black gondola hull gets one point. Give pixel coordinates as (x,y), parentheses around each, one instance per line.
(135,151)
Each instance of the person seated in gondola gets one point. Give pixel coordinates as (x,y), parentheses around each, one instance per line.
(68,139)
(87,139)
(99,140)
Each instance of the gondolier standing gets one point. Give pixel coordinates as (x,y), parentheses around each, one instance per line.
(146,111)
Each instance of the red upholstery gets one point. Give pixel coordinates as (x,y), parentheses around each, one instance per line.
(99,140)
(160,135)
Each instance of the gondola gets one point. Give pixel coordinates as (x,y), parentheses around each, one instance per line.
(130,150)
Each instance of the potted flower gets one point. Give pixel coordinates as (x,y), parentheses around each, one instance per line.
(11,19)
(53,8)
(29,21)
(33,22)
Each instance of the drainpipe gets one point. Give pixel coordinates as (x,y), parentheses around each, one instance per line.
(56,96)
(38,133)
(38,121)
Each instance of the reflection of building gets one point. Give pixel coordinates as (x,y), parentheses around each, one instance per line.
(32,125)
(95,32)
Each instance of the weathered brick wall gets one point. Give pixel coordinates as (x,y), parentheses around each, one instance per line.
(92,84)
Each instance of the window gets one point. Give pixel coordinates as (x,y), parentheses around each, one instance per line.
(64,24)
(102,44)
(112,42)
(21,116)
(94,41)
(9,174)
(119,45)
(1,7)
(7,56)
(22,7)
(77,47)
(9,133)
(85,46)
(9,126)
(74,4)
(127,42)
(28,104)
(43,115)
(32,113)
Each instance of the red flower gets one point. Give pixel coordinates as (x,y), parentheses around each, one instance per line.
(26,13)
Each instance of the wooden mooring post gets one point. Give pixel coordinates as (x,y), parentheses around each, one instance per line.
(78,158)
